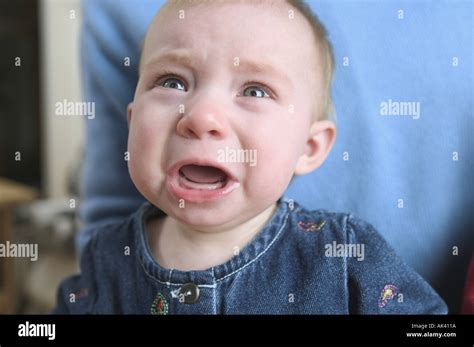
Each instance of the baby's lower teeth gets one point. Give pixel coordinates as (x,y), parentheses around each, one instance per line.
(203,186)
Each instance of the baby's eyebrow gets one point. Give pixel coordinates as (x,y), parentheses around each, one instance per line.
(252,67)
(183,57)
(176,56)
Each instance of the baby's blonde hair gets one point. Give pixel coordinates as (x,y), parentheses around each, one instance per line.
(325,48)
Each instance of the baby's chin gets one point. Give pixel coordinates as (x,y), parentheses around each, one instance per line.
(212,216)
(205,216)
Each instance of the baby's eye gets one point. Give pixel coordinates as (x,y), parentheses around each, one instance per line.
(173,83)
(255,92)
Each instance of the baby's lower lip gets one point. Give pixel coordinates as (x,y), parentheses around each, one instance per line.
(182,188)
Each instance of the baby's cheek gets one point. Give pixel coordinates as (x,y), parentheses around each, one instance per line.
(148,128)
(144,153)
(270,176)
(140,142)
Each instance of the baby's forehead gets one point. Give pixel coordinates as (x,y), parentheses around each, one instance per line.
(176,19)
(184,10)
(181,4)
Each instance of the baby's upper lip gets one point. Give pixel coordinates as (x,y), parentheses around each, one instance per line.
(201,162)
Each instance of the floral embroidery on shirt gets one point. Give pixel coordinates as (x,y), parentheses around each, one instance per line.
(311,226)
(79,294)
(160,305)
(388,292)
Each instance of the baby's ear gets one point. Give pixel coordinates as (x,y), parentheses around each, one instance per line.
(129,113)
(320,141)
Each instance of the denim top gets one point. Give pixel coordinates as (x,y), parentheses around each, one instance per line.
(301,262)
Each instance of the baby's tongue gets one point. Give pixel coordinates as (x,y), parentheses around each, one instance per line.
(203,174)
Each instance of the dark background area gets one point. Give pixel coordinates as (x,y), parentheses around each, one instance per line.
(20,127)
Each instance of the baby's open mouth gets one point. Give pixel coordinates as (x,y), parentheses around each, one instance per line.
(202,177)
(199,180)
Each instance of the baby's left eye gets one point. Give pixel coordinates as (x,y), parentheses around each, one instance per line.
(256,92)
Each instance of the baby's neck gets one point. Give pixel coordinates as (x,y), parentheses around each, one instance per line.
(181,247)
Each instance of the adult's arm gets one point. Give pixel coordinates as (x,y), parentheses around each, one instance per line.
(111,34)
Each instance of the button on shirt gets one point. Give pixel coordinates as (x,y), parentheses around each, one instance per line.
(301,262)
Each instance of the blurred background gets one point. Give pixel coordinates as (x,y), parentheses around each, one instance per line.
(39,150)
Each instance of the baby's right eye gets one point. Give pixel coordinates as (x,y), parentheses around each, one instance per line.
(174,84)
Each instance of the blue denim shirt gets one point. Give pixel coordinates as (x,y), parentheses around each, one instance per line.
(301,262)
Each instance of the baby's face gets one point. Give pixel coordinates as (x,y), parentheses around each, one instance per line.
(223,110)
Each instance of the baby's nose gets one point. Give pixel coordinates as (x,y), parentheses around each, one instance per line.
(202,120)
